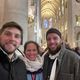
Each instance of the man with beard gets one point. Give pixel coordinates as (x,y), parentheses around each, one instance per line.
(59,63)
(11,67)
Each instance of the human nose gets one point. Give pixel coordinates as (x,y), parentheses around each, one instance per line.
(12,37)
(52,40)
(31,52)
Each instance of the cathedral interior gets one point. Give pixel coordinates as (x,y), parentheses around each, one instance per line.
(37,16)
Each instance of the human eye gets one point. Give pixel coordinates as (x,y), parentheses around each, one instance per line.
(18,36)
(7,33)
(48,39)
(28,50)
(34,49)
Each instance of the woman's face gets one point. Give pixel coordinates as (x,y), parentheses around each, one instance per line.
(31,51)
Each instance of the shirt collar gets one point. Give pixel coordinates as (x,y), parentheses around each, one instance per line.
(54,56)
(14,57)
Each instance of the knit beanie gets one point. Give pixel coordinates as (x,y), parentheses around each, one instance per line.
(53,30)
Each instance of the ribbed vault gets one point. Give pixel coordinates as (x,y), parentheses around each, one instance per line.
(49,8)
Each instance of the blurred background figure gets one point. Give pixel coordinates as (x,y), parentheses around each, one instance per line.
(77,50)
(41,50)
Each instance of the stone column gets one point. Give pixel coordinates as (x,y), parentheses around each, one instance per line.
(1,12)
(16,10)
(38,20)
(70,27)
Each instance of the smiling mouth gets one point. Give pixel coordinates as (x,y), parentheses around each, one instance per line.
(10,46)
(53,46)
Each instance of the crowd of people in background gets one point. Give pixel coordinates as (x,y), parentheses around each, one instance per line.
(57,62)
(77,50)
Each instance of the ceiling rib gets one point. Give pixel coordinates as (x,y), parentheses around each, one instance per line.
(49,8)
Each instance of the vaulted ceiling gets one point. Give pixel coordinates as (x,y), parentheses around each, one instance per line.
(49,8)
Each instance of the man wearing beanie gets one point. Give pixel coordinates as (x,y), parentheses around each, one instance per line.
(59,62)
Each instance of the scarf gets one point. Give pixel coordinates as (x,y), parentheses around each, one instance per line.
(33,65)
(53,70)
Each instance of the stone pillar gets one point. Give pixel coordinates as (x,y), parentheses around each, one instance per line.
(16,10)
(70,27)
(1,12)
(38,20)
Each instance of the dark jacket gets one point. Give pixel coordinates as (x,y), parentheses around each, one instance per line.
(14,70)
(68,65)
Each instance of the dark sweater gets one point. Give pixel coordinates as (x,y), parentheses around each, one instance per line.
(50,64)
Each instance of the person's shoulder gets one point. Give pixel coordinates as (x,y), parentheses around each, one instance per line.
(46,55)
(70,51)
(20,61)
(72,54)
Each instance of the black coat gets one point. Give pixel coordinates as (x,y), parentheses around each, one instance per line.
(15,70)
(68,66)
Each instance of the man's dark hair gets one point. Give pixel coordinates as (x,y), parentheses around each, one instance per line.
(53,30)
(12,24)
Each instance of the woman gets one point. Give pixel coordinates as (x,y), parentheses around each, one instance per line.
(33,61)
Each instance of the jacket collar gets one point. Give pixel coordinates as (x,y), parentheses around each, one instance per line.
(59,60)
(61,54)
(54,56)
(14,57)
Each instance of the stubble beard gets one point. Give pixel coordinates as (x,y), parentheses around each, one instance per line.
(54,51)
